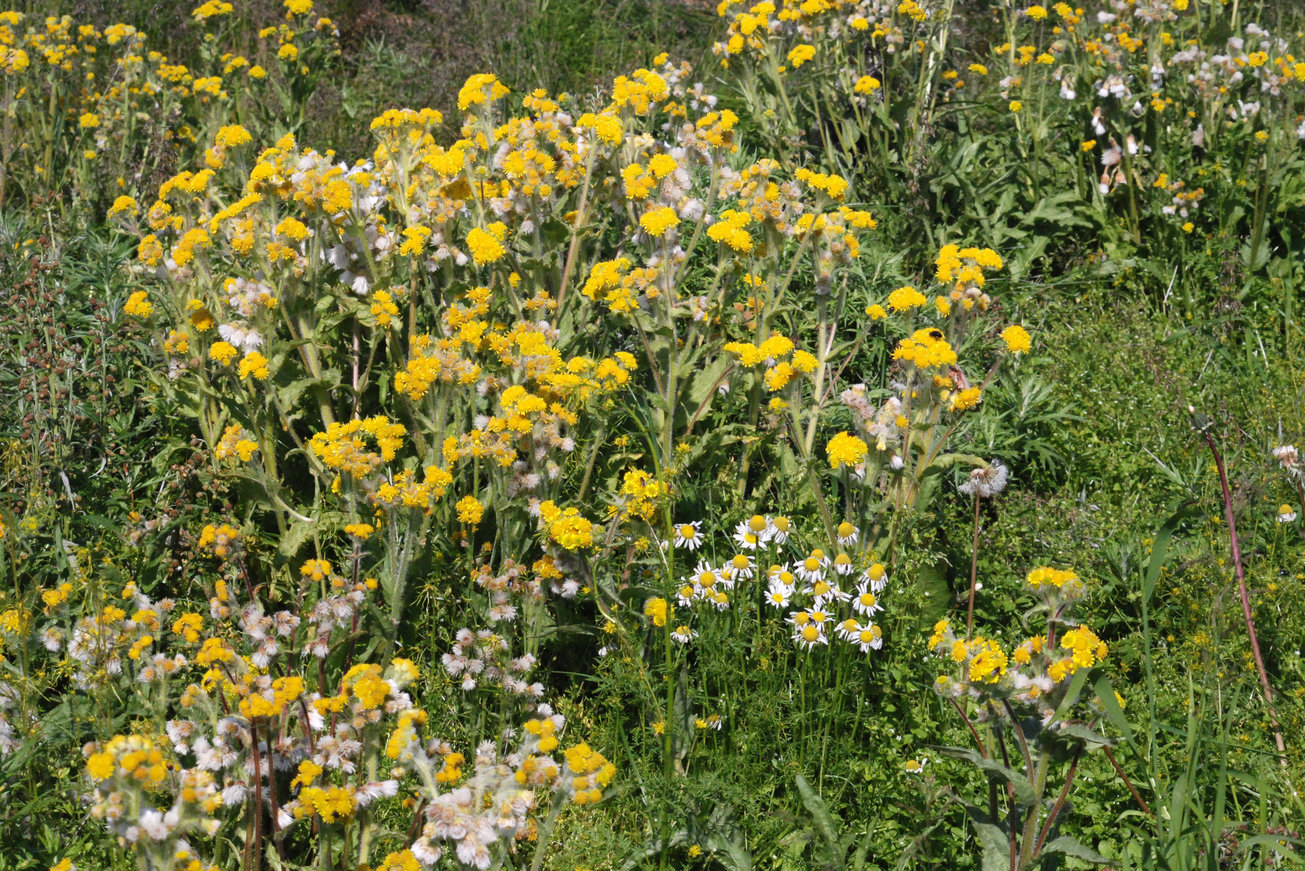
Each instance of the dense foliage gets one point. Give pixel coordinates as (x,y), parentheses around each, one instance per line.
(866,436)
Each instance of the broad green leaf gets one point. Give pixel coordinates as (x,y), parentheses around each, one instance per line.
(1070,847)
(826,825)
(993,838)
(1084,734)
(1024,792)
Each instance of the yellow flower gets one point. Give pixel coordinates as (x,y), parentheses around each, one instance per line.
(89,120)
(254,364)
(222,352)
(138,305)
(866,85)
(845,449)
(486,246)
(966,399)
(571,531)
(315,569)
(801,54)
(658,609)
(1017,339)
(1016,105)
(478,88)
(470,510)
(656,221)
(905,299)
(122,205)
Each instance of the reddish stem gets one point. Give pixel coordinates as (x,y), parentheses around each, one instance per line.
(1246,598)
(1137,797)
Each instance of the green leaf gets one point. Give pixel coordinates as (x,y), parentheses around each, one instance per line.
(1160,551)
(826,825)
(294,537)
(994,839)
(1070,847)
(1084,734)
(730,853)
(703,386)
(1106,695)
(1024,792)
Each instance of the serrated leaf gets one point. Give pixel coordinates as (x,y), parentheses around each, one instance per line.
(294,537)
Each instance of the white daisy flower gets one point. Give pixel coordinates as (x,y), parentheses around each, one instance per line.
(813,567)
(740,568)
(683,634)
(778,574)
(847,534)
(779,529)
(688,535)
(760,525)
(1285,514)
(809,635)
(865,602)
(705,580)
(848,630)
(818,615)
(684,596)
(745,537)
(843,564)
(823,592)
(876,577)
(777,595)
(916,766)
(871,637)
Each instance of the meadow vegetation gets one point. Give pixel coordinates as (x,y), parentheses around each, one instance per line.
(838,434)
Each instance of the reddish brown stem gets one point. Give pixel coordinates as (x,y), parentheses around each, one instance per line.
(1137,797)
(1060,802)
(1246,598)
(975,735)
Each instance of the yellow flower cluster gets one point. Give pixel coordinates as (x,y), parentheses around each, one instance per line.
(845,449)
(926,349)
(343,448)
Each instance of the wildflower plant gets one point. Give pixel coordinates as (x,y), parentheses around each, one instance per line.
(1029,708)
(83,110)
